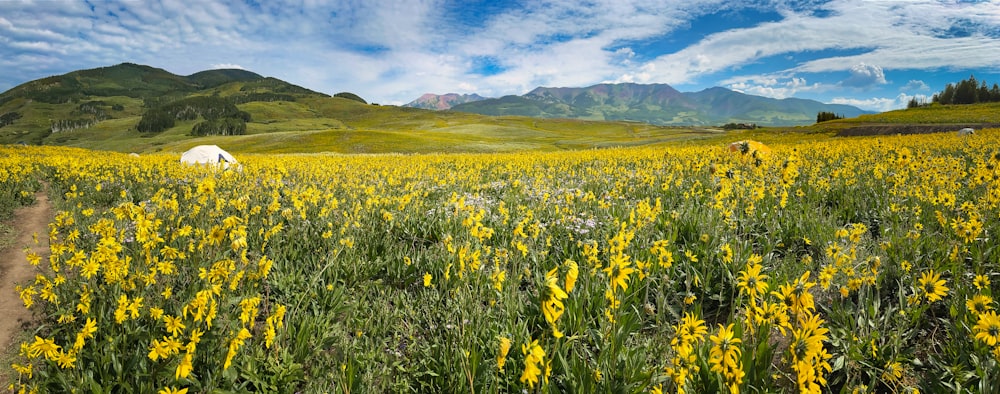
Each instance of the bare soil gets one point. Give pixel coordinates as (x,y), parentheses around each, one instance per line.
(14,267)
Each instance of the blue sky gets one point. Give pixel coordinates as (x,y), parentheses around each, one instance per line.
(872,54)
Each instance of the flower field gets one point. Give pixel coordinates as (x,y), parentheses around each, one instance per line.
(825,265)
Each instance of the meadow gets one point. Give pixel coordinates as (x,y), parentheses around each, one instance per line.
(824,265)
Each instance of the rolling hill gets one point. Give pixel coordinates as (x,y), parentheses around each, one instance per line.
(658,104)
(106,108)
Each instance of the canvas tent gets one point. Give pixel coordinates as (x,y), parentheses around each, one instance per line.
(209,155)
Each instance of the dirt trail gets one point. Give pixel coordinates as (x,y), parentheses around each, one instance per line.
(14,268)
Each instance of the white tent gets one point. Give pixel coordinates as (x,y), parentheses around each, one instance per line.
(210,155)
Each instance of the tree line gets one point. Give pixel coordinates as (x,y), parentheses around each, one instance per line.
(968,91)
(824,116)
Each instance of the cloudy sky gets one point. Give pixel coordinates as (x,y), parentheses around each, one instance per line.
(873,54)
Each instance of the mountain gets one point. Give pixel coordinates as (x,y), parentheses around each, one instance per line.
(658,104)
(444,101)
(725,104)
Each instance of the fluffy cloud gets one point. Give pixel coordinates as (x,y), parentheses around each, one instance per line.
(227,66)
(395,52)
(864,76)
(773,86)
(915,85)
(880,104)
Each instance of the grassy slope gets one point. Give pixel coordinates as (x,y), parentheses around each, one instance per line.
(344,126)
(987,113)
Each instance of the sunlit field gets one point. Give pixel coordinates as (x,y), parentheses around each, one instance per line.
(832,265)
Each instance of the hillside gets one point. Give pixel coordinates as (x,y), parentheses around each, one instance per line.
(88,106)
(935,118)
(106,108)
(657,104)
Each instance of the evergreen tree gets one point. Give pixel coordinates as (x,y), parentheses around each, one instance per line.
(946,95)
(824,116)
(966,92)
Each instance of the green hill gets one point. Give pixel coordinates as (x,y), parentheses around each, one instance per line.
(73,107)
(935,118)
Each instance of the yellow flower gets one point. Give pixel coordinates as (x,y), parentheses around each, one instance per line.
(932,286)
(618,272)
(727,253)
(248,309)
(184,368)
(41,346)
(174,324)
(502,353)
(571,275)
(27,295)
(89,328)
(552,305)
(691,256)
(775,314)
(498,277)
(893,372)
(987,329)
(66,360)
(979,304)
(981,282)
(155,313)
(25,370)
(158,350)
(691,329)
(725,356)
(534,356)
(752,282)
(171,390)
(427,279)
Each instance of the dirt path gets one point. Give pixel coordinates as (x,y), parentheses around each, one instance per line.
(14,268)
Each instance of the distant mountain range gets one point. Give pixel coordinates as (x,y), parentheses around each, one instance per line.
(658,104)
(440,102)
(137,108)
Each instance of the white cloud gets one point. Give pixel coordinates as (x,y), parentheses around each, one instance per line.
(395,52)
(915,84)
(774,86)
(879,104)
(892,34)
(465,87)
(218,66)
(865,76)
